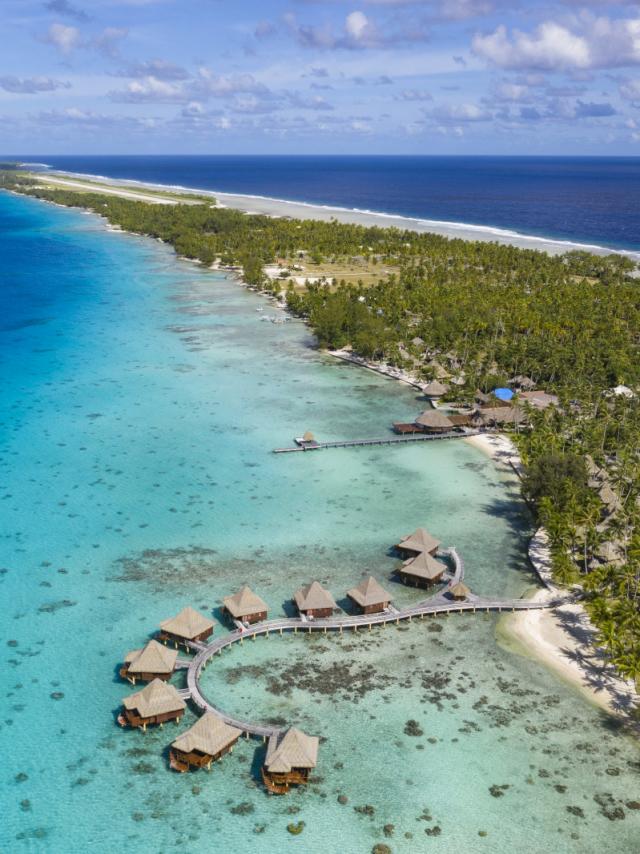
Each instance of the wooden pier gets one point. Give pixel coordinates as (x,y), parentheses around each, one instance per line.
(385,440)
(438,604)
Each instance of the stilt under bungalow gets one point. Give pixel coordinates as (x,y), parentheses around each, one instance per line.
(157,703)
(155,661)
(290,758)
(369,596)
(422,571)
(188,625)
(245,605)
(313,600)
(202,744)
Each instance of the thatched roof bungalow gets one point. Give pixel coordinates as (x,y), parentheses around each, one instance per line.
(370,596)
(188,625)
(245,605)
(423,571)
(157,703)
(418,542)
(498,416)
(205,742)
(539,399)
(155,661)
(435,389)
(313,600)
(290,757)
(433,421)
(459,591)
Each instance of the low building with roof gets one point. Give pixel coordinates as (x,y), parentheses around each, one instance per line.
(188,625)
(245,605)
(539,398)
(370,596)
(157,703)
(202,744)
(155,661)
(290,758)
(433,421)
(420,541)
(422,571)
(313,600)
(498,416)
(459,591)
(435,390)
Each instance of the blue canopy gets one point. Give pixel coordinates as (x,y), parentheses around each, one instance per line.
(503,393)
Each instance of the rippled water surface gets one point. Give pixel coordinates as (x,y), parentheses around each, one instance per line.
(141,398)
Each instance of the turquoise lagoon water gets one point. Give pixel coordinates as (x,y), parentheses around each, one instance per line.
(141,397)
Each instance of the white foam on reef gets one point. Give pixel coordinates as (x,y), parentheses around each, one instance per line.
(274,206)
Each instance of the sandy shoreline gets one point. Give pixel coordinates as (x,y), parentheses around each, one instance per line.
(563,637)
(305,210)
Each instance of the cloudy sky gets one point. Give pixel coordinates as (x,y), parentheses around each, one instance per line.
(375,76)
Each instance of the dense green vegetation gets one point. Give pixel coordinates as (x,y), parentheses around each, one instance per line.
(478,313)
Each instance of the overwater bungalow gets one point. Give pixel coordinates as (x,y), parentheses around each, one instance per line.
(245,605)
(290,757)
(155,661)
(370,596)
(418,542)
(422,571)
(313,600)
(435,390)
(202,744)
(157,703)
(459,591)
(433,421)
(188,625)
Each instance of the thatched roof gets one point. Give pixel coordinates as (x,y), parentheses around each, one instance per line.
(424,566)
(369,592)
(313,597)
(435,389)
(154,658)
(156,698)
(460,589)
(502,415)
(419,541)
(609,497)
(208,735)
(308,436)
(187,624)
(244,602)
(539,398)
(434,419)
(294,749)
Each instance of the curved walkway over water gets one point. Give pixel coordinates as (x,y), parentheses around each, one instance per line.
(439,604)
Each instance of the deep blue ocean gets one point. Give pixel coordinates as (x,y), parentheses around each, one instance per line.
(592,200)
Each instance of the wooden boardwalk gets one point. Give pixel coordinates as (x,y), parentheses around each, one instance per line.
(385,440)
(439,604)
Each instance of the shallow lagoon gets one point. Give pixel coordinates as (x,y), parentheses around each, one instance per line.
(141,398)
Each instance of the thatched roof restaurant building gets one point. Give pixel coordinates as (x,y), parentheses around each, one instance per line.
(433,421)
(290,757)
(157,703)
(418,542)
(205,742)
(245,605)
(188,625)
(496,416)
(370,596)
(423,571)
(155,661)
(314,601)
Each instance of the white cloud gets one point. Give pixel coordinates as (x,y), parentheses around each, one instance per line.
(31,85)
(630,90)
(457,113)
(356,25)
(594,42)
(64,38)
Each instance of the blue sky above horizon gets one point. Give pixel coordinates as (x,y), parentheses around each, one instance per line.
(301,76)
